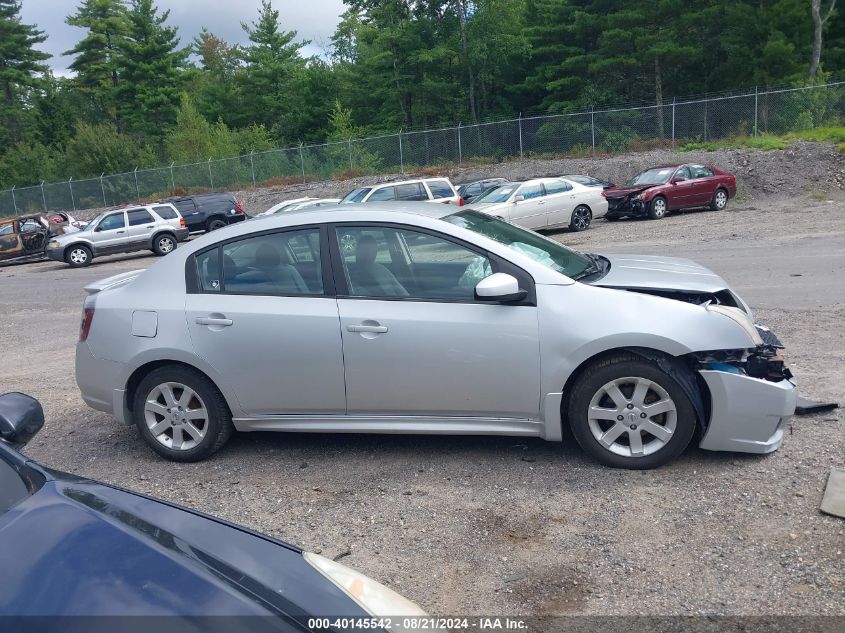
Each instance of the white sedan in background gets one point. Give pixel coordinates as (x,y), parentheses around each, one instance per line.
(544,203)
(297,204)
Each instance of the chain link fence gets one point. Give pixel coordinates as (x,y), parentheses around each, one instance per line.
(601,131)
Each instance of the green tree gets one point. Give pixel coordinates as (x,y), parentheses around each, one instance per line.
(97,61)
(21,70)
(274,73)
(29,164)
(214,83)
(100,147)
(194,139)
(151,63)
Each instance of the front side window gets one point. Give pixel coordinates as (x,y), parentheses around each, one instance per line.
(387,193)
(137,217)
(532,191)
(7,229)
(286,263)
(440,189)
(402,263)
(356,195)
(683,172)
(110,222)
(541,249)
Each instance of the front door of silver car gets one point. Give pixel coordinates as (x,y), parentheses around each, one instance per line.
(261,316)
(110,233)
(416,340)
(528,206)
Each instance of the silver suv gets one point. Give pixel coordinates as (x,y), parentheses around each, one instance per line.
(420,190)
(155,227)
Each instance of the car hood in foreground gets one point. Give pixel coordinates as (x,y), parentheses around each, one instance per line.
(76,547)
(651,272)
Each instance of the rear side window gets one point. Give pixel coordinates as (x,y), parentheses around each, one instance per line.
(700,171)
(388,193)
(282,264)
(413,191)
(185,206)
(440,189)
(557,186)
(165,212)
(138,217)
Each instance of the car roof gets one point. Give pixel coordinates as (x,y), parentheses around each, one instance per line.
(403,182)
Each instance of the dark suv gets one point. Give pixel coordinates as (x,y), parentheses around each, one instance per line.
(208,211)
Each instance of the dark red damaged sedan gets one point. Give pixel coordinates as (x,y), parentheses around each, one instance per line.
(658,190)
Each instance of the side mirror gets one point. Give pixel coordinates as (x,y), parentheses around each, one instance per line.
(499,287)
(21,417)
(678,179)
(518,198)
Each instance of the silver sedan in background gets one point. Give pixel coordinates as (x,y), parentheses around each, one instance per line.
(419,318)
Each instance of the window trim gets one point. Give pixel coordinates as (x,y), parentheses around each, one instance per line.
(192,275)
(497,265)
(149,213)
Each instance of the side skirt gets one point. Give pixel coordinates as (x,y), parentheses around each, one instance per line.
(392,424)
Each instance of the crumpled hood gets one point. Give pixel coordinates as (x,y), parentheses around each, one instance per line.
(622,192)
(659,273)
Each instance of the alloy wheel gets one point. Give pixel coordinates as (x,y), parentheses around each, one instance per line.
(659,207)
(78,256)
(721,199)
(176,416)
(166,245)
(632,417)
(581,218)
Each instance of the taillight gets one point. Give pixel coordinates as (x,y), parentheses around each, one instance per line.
(182,222)
(87,318)
(603,194)
(238,207)
(460,202)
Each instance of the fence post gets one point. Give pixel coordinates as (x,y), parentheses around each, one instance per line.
(70,186)
(401,155)
(43,197)
(673,122)
(520,135)
(14,204)
(706,101)
(302,161)
(252,166)
(593,127)
(755,111)
(103,189)
(350,154)
(172,179)
(137,189)
(460,152)
(210,177)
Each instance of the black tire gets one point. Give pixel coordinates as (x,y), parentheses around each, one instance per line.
(217,425)
(719,200)
(581,218)
(591,385)
(78,256)
(658,208)
(215,223)
(164,243)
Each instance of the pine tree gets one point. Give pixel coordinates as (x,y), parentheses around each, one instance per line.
(274,74)
(97,63)
(21,70)
(151,63)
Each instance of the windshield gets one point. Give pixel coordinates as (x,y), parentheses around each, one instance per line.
(93,222)
(356,195)
(541,249)
(497,194)
(657,176)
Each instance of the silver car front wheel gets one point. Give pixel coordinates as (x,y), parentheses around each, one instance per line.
(627,412)
(634,425)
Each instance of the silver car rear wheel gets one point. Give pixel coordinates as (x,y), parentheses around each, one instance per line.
(164,245)
(176,416)
(632,416)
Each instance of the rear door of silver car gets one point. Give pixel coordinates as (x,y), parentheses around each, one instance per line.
(262,312)
(416,342)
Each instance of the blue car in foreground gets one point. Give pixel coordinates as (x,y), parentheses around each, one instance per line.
(76,547)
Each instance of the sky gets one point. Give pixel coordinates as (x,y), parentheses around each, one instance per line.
(313,20)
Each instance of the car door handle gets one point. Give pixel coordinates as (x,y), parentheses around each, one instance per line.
(213,321)
(541,202)
(377,329)
(121,231)
(151,226)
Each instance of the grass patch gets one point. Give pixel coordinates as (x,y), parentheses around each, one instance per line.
(821,197)
(835,134)
(766,142)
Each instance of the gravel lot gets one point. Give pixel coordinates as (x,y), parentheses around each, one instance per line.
(468,525)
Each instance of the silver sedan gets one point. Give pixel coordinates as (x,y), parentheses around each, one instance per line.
(419,318)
